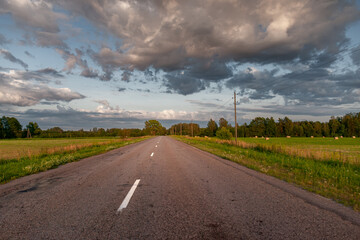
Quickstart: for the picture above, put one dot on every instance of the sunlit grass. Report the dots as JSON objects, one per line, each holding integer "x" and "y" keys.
{"x": 23, "y": 157}
{"x": 318, "y": 169}
{"x": 19, "y": 148}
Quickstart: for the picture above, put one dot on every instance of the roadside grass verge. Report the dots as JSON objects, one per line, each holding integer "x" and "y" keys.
{"x": 18, "y": 167}
{"x": 332, "y": 178}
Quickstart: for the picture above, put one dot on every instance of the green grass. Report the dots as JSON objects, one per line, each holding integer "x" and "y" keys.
{"x": 332, "y": 178}
{"x": 36, "y": 155}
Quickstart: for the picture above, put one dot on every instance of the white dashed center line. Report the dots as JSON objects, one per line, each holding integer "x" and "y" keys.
{"x": 152, "y": 154}
{"x": 156, "y": 146}
{"x": 128, "y": 196}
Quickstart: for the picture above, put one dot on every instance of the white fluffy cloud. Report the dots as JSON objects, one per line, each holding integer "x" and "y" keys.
{"x": 22, "y": 92}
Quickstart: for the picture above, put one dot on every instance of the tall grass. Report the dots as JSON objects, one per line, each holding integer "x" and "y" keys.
{"x": 36, "y": 161}
{"x": 331, "y": 177}
{"x": 309, "y": 153}
{"x": 19, "y": 148}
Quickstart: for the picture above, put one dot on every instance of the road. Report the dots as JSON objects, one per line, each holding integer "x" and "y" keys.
{"x": 183, "y": 193}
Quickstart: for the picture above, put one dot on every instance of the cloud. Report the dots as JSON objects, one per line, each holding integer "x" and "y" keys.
{"x": 169, "y": 34}
{"x": 73, "y": 60}
{"x": 42, "y": 75}
{"x": 38, "y": 19}
{"x": 316, "y": 86}
{"x": 184, "y": 85}
{"x": 4, "y": 40}
{"x": 50, "y": 39}
{"x": 199, "y": 40}
{"x": 198, "y": 43}
{"x": 19, "y": 92}
{"x": 355, "y": 55}
{"x": 306, "y": 111}
{"x": 29, "y": 54}
{"x": 7, "y": 55}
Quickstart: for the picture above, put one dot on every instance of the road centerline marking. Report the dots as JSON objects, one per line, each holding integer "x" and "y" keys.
{"x": 155, "y": 145}
{"x": 152, "y": 154}
{"x": 128, "y": 196}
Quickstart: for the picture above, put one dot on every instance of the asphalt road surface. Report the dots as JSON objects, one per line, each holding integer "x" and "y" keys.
{"x": 183, "y": 193}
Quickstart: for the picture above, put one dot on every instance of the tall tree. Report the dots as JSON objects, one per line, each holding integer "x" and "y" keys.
{"x": 223, "y": 123}
{"x": 270, "y": 127}
{"x": 334, "y": 125}
{"x": 33, "y": 128}
{"x": 2, "y": 133}
{"x": 212, "y": 128}
{"x": 154, "y": 127}
{"x": 11, "y": 127}
{"x": 288, "y": 127}
{"x": 257, "y": 126}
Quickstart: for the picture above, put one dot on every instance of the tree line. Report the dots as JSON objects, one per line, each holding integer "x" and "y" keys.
{"x": 347, "y": 126}
{"x": 10, "y": 127}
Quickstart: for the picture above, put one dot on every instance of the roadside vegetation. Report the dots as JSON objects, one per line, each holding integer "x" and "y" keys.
{"x": 27, "y": 156}
{"x": 325, "y": 166}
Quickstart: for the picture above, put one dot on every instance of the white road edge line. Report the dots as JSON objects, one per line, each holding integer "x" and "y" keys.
{"x": 128, "y": 196}
{"x": 152, "y": 154}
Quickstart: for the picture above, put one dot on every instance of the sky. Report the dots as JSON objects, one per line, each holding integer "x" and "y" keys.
{"x": 115, "y": 64}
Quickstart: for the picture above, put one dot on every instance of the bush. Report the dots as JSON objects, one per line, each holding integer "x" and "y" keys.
{"x": 224, "y": 133}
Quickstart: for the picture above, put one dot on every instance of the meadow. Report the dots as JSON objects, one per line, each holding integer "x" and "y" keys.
{"x": 325, "y": 166}
{"x": 20, "y": 157}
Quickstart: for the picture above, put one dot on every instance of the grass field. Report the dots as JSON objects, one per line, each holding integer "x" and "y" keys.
{"x": 343, "y": 149}
{"x": 323, "y": 165}
{"x": 20, "y": 157}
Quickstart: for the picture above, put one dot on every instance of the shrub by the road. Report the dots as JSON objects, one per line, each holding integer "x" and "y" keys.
{"x": 224, "y": 133}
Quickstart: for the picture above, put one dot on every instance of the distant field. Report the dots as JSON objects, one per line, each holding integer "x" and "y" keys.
{"x": 20, "y": 157}
{"x": 19, "y": 148}
{"x": 343, "y": 149}
{"x": 323, "y": 165}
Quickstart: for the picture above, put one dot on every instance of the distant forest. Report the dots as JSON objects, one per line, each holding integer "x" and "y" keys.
{"x": 347, "y": 126}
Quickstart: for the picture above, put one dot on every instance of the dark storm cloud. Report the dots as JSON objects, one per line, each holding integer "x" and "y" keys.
{"x": 173, "y": 32}
{"x": 184, "y": 85}
{"x": 8, "y": 56}
{"x": 199, "y": 39}
{"x": 314, "y": 86}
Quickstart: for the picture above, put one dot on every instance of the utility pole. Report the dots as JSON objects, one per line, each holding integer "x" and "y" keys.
{"x": 192, "y": 130}
{"x": 235, "y": 117}
{"x": 28, "y": 135}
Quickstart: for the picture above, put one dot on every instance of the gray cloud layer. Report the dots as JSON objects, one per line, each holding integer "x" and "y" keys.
{"x": 166, "y": 34}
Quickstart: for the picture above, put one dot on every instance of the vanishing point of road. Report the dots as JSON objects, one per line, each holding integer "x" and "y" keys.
{"x": 164, "y": 189}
